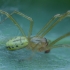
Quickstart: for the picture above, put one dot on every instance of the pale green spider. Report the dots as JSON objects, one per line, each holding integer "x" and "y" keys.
{"x": 37, "y": 42}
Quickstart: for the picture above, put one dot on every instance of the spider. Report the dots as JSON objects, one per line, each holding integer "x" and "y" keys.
{"x": 37, "y": 42}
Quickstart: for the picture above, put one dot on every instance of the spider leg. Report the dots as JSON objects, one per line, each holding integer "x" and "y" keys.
{"x": 6, "y": 18}
{"x": 61, "y": 18}
{"x": 51, "y": 45}
{"x": 28, "y": 18}
{"x": 46, "y": 26}
{"x": 13, "y": 20}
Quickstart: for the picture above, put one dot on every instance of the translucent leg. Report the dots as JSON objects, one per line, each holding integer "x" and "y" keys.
{"x": 51, "y": 45}
{"x": 6, "y": 18}
{"x": 28, "y": 18}
{"x": 52, "y": 19}
{"x": 62, "y": 17}
{"x": 13, "y": 20}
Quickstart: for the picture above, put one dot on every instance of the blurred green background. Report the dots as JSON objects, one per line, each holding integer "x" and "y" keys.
{"x": 41, "y": 11}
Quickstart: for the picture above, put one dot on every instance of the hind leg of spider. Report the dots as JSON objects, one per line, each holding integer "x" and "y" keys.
{"x": 25, "y": 16}
{"x": 28, "y": 18}
{"x": 6, "y": 17}
{"x": 51, "y": 45}
{"x": 14, "y": 21}
{"x": 60, "y": 18}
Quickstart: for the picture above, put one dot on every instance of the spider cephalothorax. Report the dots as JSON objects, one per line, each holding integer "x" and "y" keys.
{"x": 37, "y": 42}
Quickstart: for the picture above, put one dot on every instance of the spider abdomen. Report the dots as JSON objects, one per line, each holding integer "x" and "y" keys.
{"x": 17, "y": 43}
